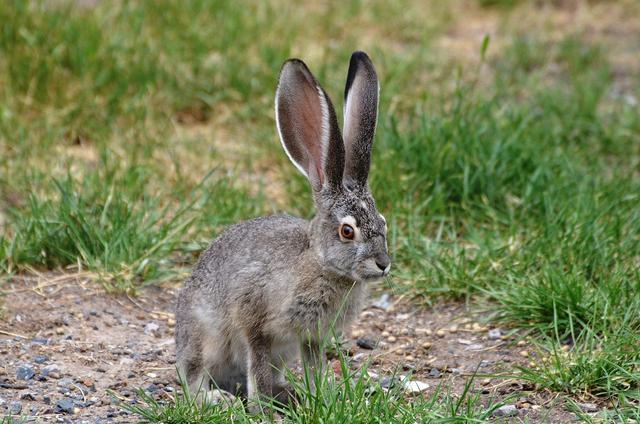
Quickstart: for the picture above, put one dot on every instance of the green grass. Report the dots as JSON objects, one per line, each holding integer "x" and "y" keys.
{"x": 132, "y": 132}
{"x": 350, "y": 397}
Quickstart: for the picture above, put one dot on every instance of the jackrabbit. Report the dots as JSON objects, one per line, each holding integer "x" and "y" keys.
{"x": 270, "y": 288}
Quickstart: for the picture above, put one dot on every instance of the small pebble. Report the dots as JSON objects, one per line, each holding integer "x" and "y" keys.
{"x": 40, "y": 359}
{"x": 524, "y": 354}
{"x": 15, "y": 408}
{"x": 440, "y": 333}
{"x": 366, "y": 343}
{"x": 588, "y": 407}
{"x": 359, "y": 357}
{"x": 65, "y": 406}
{"x": 495, "y": 334}
{"x": 506, "y": 411}
{"x": 65, "y": 382}
{"x": 435, "y": 373}
{"x": 477, "y": 327}
{"x": 151, "y": 328}
{"x": 453, "y": 329}
{"x": 25, "y": 372}
{"x": 27, "y": 396}
{"x": 357, "y": 333}
{"x": 521, "y": 343}
{"x": 49, "y": 369}
{"x": 391, "y": 339}
{"x": 387, "y": 382}
{"x": 427, "y": 345}
{"x": 415, "y": 386}
{"x": 384, "y": 302}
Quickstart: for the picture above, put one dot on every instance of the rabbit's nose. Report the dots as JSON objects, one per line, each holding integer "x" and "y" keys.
{"x": 383, "y": 261}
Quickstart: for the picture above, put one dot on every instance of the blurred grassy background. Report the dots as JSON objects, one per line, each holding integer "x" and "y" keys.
{"x": 132, "y": 132}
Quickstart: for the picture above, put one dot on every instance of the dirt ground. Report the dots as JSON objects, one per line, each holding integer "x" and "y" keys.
{"x": 69, "y": 352}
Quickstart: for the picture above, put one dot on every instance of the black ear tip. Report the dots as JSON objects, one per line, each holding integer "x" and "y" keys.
{"x": 360, "y": 55}
{"x": 360, "y": 59}
{"x": 359, "y": 62}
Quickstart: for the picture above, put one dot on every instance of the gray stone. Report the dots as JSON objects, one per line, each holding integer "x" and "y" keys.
{"x": 494, "y": 334}
{"x": 65, "y": 382}
{"x": 384, "y": 302}
{"x": 588, "y": 407}
{"x": 506, "y": 411}
{"x": 40, "y": 359}
{"x": 366, "y": 343}
{"x": 49, "y": 369}
{"x": 415, "y": 386}
{"x": 151, "y": 328}
{"x": 485, "y": 363}
{"x": 65, "y": 406}
{"x": 27, "y": 395}
{"x": 387, "y": 382}
{"x": 25, "y": 372}
{"x": 15, "y": 408}
{"x": 434, "y": 373}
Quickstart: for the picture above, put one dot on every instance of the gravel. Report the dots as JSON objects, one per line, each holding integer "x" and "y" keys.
{"x": 506, "y": 411}
{"x": 25, "y": 372}
{"x": 40, "y": 359}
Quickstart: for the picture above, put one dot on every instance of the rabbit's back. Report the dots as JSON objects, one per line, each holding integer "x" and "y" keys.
{"x": 246, "y": 253}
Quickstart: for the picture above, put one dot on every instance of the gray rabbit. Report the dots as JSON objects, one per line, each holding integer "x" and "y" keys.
{"x": 271, "y": 288}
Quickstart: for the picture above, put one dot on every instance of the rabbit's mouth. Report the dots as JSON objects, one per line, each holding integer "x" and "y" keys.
{"x": 370, "y": 270}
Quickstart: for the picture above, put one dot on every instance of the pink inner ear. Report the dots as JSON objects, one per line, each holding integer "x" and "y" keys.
{"x": 307, "y": 116}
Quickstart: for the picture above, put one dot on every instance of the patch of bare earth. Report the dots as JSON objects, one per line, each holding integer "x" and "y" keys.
{"x": 65, "y": 344}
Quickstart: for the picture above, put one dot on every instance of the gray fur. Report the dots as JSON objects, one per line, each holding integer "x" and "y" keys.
{"x": 271, "y": 288}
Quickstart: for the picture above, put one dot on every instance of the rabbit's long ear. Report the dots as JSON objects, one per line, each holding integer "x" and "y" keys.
{"x": 308, "y": 127}
{"x": 360, "y": 117}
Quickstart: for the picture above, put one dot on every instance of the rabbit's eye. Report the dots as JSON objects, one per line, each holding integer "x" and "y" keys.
{"x": 347, "y": 231}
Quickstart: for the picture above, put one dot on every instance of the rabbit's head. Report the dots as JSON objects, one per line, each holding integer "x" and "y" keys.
{"x": 348, "y": 233}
